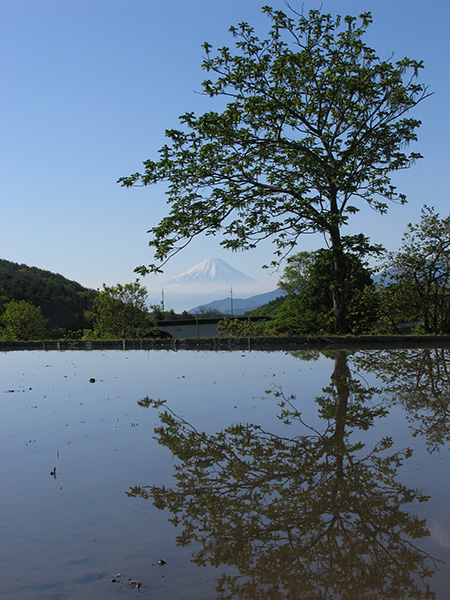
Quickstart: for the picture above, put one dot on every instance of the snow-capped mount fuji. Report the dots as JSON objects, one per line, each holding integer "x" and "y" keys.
{"x": 211, "y": 279}
{"x": 212, "y": 270}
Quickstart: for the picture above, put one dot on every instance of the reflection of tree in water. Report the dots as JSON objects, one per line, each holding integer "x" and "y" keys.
{"x": 418, "y": 379}
{"x": 309, "y": 516}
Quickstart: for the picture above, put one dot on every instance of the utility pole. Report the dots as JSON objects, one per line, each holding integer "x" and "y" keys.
{"x": 231, "y": 300}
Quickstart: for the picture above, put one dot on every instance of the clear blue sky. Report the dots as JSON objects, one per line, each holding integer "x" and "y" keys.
{"x": 88, "y": 88}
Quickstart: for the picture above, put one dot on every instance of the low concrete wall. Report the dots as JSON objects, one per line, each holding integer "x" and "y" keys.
{"x": 215, "y": 343}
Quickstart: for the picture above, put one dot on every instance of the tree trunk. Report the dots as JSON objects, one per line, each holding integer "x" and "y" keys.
{"x": 339, "y": 287}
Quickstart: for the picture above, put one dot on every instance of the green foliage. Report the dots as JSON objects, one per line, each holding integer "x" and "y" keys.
{"x": 120, "y": 312}
{"x": 363, "y": 310}
{"x": 185, "y": 315}
{"x": 299, "y": 316}
{"x": 64, "y": 303}
{"x": 297, "y": 273}
{"x": 398, "y": 305}
{"x": 159, "y": 314}
{"x": 309, "y": 278}
{"x": 314, "y": 126}
{"x": 22, "y": 321}
{"x": 242, "y": 328}
{"x": 420, "y": 275}
{"x": 266, "y": 310}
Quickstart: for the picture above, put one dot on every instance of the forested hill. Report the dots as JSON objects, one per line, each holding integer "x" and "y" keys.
{"x": 62, "y": 302}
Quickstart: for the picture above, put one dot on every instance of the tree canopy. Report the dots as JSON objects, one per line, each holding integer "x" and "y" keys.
{"x": 21, "y": 321}
{"x": 419, "y": 272}
{"x": 315, "y": 124}
{"x": 308, "y": 279}
{"x": 121, "y": 312}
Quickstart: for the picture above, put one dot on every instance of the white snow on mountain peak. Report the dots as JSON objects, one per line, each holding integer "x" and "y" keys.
{"x": 212, "y": 270}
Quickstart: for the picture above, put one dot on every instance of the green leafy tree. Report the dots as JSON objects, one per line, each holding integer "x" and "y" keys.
{"x": 420, "y": 271}
{"x": 316, "y": 123}
{"x": 159, "y": 313}
{"x": 398, "y": 307}
{"x": 297, "y": 273}
{"x": 121, "y": 312}
{"x": 309, "y": 279}
{"x": 22, "y": 321}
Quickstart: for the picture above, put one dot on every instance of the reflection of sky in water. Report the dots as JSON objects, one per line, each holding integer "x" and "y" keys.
{"x": 67, "y": 537}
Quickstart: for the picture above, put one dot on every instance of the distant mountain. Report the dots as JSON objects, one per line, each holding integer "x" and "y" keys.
{"x": 62, "y": 301}
{"x": 212, "y": 270}
{"x": 240, "y": 305}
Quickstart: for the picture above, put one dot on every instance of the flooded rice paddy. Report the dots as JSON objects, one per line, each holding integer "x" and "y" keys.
{"x": 260, "y": 475}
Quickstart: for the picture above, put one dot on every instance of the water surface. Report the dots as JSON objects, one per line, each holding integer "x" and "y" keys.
{"x": 327, "y": 498}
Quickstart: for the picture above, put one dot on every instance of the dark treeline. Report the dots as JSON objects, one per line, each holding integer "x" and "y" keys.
{"x": 39, "y": 304}
{"x": 64, "y": 303}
